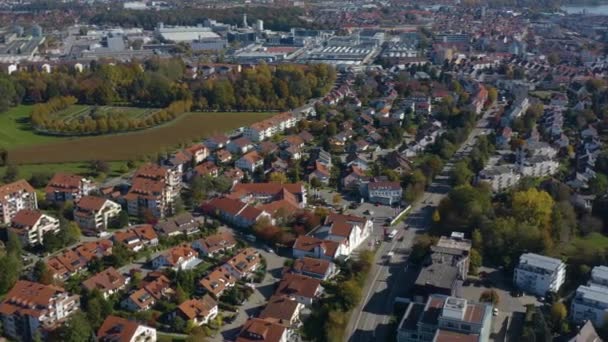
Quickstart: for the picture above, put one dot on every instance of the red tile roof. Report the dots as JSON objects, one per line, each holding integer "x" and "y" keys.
{"x": 298, "y": 285}
{"x": 26, "y": 218}
{"x": 11, "y": 188}
{"x": 117, "y": 329}
{"x": 29, "y": 298}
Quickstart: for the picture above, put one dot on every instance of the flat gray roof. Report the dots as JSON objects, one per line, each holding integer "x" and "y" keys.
{"x": 540, "y": 261}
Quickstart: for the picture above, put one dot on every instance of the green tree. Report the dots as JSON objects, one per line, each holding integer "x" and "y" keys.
{"x": 277, "y": 177}
{"x": 461, "y": 174}
{"x": 42, "y": 274}
{"x": 11, "y": 173}
{"x": 490, "y": 296}
{"x": 475, "y": 262}
{"x": 533, "y": 206}
{"x": 76, "y": 329}
{"x": 599, "y": 184}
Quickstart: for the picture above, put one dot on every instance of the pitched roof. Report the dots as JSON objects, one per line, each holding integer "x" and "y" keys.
{"x": 298, "y": 285}
{"x": 245, "y": 260}
{"x": 195, "y": 308}
{"x": 216, "y": 281}
{"x": 117, "y": 329}
{"x": 309, "y": 243}
{"x": 218, "y": 241}
{"x": 178, "y": 254}
{"x": 107, "y": 280}
{"x": 311, "y": 265}
{"x": 256, "y": 329}
{"x": 26, "y": 218}
{"x": 64, "y": 182}
{"x": 29, "y": 298}
{"x": 280, "y": 308}
{"x": 90, "y": 203}
{"x": 14, "y": 187}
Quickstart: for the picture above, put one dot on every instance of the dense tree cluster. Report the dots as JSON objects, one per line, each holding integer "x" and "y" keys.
{"x": 262, "y": 88}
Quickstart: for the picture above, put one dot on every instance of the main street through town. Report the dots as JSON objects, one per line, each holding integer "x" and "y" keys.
{"x": 370, "y": 320}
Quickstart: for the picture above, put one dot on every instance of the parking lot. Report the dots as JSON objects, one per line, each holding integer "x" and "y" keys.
{"x": 508, "y": 323}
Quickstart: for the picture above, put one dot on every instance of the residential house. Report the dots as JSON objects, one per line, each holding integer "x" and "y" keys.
{"x": 153, "y": 191}
{"x": 215, "y": 244}
{"x": 267, "y": 330}
{"x": 308, "y": 246}
{"x": 217, "y": 282}
{"x": 14, "y": 197}
{"x": 354, "y": 178}
{"x": 207, "y": 168}
{"x": 182, "y": 224}
{"x": 66, "y": 264}
{"x": 250, "y": 162}
{"x": 539, "y": 274}
{"x": 107, "y": 282}
{"x": 320, "y": 173}
{"x": 177, "y": 258}
{"x": 198, "y": 311}
{"x": 216, "y": 142}
{"x": 243, "y": 264}
{"x": 93, "y": 213}
{"x": 305, "y": 290}
{"x": 283, "y": 309}
{"x": 444, "y": 318}
{"x": 586, "y": 333}
{"x": 29, "y": 308}
{"x": 67, "y": 187}
{"x": 387, "y": 193}
{"x": 234, "y": 174}
{"x": 240, "y": 145}
{"x": 268, "y": 192}
{"x": 348, "y": 230}
{"x": 144, "y": 298}
{"x": 222, "y": 156}
{"x": 137, "y": 238}
{"x": 235, "y": 212}
{"x": 118, "y": 329}
{"x": 31, "y": 226}
{"x": 267, "y": 148}
{"x": 314, "y": 268}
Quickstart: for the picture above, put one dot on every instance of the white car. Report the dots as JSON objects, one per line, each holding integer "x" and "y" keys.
{"x": 495, "y": 312}
{"x": 103, "y": 235}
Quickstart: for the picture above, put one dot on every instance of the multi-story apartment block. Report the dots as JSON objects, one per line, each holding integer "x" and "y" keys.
{"x": 93, "y": 213}
{"x": 14, "y": 197}
{"x": 31, "y": 225}
{"x": 386, "y": 193}
{"x": 599, "y": 276}
{"x": 539, "y": 274}
{"x": 590, "y": 303}
{"x": 32, "y": 307}
{"x": 153, "y": 190}
{"x": 67, "y": 187}
{"x": 499, "y": 177}
{"x": 444, "y": 318}
{"x": 267, "y": 128}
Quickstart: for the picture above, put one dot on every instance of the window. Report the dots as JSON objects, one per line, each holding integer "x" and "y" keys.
{"x": 465, "y": 327}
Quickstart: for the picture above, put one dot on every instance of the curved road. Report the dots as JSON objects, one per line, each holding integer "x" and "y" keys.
{"x": 370, "y": 320}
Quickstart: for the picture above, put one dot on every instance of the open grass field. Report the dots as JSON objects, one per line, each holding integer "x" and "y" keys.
{"x": 81, "y": 168}
{"x": 26, "y": 147}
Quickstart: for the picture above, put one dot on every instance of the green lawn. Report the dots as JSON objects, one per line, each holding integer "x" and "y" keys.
{"x": 26, "y": 170}
{"x": 15, "y": 130}
{"x": 76, "y": 111}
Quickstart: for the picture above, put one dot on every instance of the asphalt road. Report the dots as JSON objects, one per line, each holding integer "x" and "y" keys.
{"x": 371, "y": 319}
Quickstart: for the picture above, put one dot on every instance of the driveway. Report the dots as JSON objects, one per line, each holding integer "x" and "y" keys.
{"x": 255, "y": 304}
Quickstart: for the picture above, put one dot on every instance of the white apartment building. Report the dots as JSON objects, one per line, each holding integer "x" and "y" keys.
{"x": 95, "y": 213}
{"x": 14, "y": 197}
{"x": 599, "y": 276}
{"x": 539, "y": 274}
{"x": 590, "y": 303}
{"x": 538, "y": 166}
{"x": 31, "y": 225}
{"x": 499, "y": 177}
{"x": 267, "y": 128}
{"x": 29, "y": 307}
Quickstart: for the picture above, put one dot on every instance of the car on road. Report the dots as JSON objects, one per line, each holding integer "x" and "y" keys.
{"x": 268, "y": 249}
{"x": 103, "y": 235}
{"x": 495, "y": 312}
